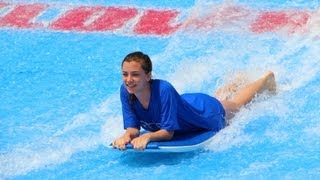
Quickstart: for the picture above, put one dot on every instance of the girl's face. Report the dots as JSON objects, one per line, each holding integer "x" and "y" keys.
{"x": 134, "y": 77}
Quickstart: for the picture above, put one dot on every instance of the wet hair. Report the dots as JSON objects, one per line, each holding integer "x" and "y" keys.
{"x": 146, "y": 65}
{"x": 143, "y": 59}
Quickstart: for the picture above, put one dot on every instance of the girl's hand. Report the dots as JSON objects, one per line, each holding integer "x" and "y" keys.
{"x": 121, "y": 142}
{"x": 141, "y": 142}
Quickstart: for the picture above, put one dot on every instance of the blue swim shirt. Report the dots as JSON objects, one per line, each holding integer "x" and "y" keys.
{"x": 173, "y": 112}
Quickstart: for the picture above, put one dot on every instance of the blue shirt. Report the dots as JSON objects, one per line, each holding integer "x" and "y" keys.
{"x": 173, "y": 112}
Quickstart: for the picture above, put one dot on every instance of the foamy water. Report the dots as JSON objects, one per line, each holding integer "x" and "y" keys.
{"x": 65, "y": 133}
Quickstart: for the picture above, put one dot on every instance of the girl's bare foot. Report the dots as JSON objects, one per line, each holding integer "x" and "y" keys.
{"x": 270, "y": 82}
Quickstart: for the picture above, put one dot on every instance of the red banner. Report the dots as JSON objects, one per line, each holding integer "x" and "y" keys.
{"x": 132, "y": 20}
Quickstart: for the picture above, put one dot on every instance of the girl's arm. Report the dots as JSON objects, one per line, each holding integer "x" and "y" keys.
{"x": 141, "y": 142}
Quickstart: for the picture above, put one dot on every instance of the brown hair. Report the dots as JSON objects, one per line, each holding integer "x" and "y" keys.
{"x": 143, "y": 59}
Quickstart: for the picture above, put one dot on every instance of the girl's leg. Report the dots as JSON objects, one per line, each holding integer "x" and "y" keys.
{"x": 246, "y": 94}
{"x": 229, "y": 90}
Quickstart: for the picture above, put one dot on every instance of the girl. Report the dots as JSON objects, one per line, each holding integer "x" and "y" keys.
{"x": 156, "y": 106}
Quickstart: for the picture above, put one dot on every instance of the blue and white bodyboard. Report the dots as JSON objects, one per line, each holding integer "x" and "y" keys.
{"x": 179, "y": 143}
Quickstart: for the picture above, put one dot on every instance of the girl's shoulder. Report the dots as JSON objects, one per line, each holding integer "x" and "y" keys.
{"x": 162, "y": 84}
{"x": 123, "y": 88}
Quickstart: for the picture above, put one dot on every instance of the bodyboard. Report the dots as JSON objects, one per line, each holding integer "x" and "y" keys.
{"x": 181, "y": 142}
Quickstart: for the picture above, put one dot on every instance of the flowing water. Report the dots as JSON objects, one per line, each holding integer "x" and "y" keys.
{"x": 59, "y": 89}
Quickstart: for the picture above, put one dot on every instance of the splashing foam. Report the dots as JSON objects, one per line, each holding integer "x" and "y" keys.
{"x": 197, "y": 61}
{"x": 30, "y": 157}
{"x": 219, "y": 61}
{"x": 79, "y": 135}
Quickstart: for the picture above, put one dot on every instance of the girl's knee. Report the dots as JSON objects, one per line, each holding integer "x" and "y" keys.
{"x": 231, "y": 108}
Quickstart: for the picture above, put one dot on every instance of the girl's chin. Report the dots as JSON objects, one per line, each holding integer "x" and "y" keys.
{"x": 130, "y": 90}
